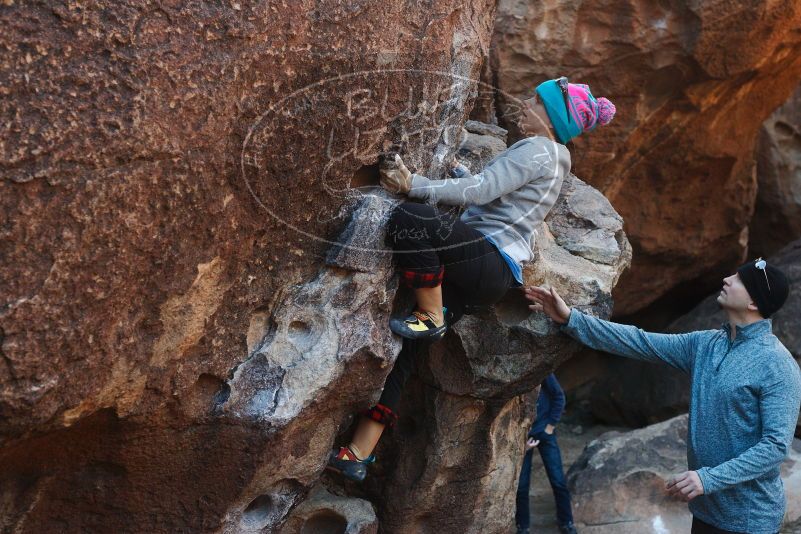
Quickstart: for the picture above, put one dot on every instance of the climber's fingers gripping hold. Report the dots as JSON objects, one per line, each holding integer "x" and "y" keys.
{"x": 397, "y": 179}
{"x": 549, "y": 302}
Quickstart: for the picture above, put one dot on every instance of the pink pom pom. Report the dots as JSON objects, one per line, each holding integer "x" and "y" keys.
{"x": 606, "y": 111}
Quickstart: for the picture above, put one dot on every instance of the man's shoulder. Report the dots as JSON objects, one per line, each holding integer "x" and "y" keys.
{"x": 779, "y": 360}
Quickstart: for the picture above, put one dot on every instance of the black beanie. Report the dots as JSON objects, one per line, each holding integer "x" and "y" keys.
{"x": 767, "y": 285}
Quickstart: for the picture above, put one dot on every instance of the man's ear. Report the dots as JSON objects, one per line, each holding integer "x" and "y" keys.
{"x": 752, "y": 307}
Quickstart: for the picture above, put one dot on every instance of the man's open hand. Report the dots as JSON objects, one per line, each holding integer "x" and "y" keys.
{"x": 548, "y": 301}
{"x": 686, "y": 486}
{"x": 397, "y": 179}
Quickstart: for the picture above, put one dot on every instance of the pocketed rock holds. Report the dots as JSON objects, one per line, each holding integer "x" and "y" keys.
{"x": 480, "y": 143}
{"x": 618, "y": 482}
{"x": 325, "y": 513}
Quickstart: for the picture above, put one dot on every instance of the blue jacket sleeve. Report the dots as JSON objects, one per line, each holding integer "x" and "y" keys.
{"x": 676, "y": 350}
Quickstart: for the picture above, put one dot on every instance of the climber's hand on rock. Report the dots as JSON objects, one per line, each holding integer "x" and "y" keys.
{"x": 548, "y": 301}
{"x": 686, "y": 486}
{"x": 531, "y": 443}
{"x": 397, "y": 179}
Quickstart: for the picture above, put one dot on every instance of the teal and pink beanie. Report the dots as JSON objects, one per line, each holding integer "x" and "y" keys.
{"x": 587, "y": 112}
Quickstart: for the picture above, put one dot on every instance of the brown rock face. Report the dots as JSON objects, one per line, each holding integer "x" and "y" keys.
{"x": 195, "y": 289}
{"x": 692, "y": 84}
{"x": 777, "y": 216}
{"x": 171, "y": 174}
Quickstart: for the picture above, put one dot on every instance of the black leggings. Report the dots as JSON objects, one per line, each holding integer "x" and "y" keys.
{"x": 425, "y": 238}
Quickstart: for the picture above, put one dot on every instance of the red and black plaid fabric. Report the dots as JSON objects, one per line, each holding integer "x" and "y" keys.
{"x": 381, "y": 414}
{"x": 417, "y": 279}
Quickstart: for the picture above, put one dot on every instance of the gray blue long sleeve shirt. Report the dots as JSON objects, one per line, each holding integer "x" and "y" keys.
{"x": 744, "y": 404}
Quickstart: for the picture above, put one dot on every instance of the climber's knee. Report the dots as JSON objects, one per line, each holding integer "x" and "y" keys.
{"x": 381, "y": 414}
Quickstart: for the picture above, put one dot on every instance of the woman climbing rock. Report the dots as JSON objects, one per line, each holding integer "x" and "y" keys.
{"x": 453, "y": 262}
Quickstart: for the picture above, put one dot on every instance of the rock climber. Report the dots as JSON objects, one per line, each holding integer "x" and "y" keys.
{"x": 542, "y": 436}
{"x": 744, "y": 404}
{"x": 452, "y": 261}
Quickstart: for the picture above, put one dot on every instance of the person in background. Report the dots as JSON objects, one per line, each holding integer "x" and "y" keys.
{"x": 542, "y": 436}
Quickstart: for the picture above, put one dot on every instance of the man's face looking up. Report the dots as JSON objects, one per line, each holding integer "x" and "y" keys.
{"x": 734, "y": 296}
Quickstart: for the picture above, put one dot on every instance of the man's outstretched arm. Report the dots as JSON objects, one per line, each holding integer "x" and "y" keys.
{"x": 677, "y": 350}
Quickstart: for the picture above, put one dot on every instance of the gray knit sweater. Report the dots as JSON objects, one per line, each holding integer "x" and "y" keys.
{"x": 510, "y": 197}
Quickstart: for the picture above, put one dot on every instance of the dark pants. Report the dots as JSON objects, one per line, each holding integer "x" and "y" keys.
{"x": 425, "y": 239}
{"x": 552, "y": 460}
{"x": 699, "y": 527}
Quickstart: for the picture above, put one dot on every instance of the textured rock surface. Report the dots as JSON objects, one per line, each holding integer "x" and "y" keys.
{"x": 172, "y": 343}
{"x": 635, "y": 394}
{"x": 194, "y": 277}
{"x": 777, "y": 215}
{"x": 618, "y": 482}
{"x": 693, "y": 84}
{"x": 480, "y": 143}
{"x": 324, "y": 513}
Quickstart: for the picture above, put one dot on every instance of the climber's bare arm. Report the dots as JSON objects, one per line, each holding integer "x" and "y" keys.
{"x": 548, "y": 301}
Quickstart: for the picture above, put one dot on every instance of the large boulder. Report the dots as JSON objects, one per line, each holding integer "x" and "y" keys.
{"x": 176, "y": 353}
{"x": 777, "y": 214}
{"x": 618, "y": 482}
{"x": 195, "y": 286}
{"x": 693, "y": 85}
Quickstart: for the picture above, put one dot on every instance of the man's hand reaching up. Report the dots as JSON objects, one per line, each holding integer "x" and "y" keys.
{"x": 548, "y": 301}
